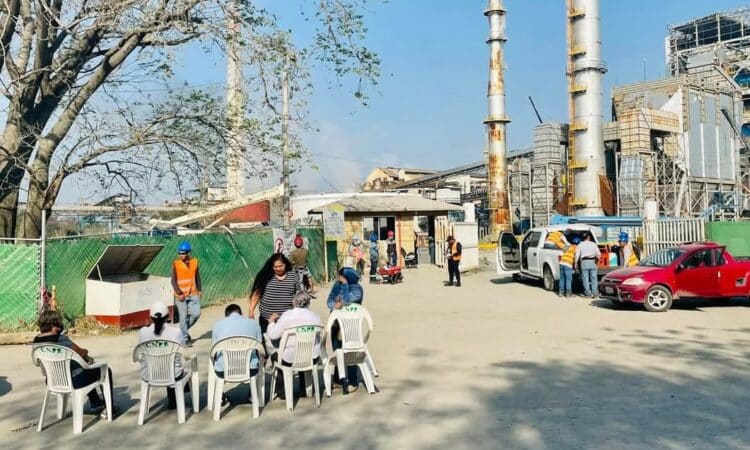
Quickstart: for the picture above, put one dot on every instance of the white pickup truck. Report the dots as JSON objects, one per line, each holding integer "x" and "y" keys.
{"x": 534, "y": 258}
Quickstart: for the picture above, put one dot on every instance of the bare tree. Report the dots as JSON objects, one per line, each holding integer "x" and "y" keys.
{"x": 64, "y": 65}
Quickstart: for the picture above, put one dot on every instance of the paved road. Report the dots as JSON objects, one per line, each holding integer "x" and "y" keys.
{"x": 488, "y": 365}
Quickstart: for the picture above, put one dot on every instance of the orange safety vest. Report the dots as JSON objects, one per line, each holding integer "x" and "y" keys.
{"x": 567, "y": 257}
{"x": 454, "y": 249}
{"x": 185, "y": 274}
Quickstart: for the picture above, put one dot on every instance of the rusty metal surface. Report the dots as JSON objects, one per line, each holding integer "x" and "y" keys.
{"x": 496, "y": 122}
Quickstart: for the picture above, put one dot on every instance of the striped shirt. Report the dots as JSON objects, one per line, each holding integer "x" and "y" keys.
{"x": 277, "y": 297}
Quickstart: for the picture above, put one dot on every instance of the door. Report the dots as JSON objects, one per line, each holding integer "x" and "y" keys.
{"x": 532, "y": 252}
{"x": 698, "y": 275}
{"x": 508, "y": 253}
{"x": 732, "y": 278}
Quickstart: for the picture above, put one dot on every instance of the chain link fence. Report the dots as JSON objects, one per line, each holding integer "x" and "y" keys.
{"x": 20, "y": 280}
{"x": 228, "y": 262}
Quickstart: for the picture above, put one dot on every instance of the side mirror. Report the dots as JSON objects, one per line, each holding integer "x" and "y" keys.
{"x": 681, "y": 267}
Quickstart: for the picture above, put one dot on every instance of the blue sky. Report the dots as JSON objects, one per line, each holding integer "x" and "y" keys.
{"x": 428, "y": 109}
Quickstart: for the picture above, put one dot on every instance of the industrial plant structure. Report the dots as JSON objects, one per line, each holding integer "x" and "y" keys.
{"x": 673, "y": 147}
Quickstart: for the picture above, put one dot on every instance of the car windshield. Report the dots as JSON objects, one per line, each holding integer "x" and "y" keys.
{"x": 662, "y": 258}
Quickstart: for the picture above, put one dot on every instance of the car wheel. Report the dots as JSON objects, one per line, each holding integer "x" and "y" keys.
{"x": 658, "y": 299}
{"x": 548, "y": 279}
{"x": 516, "y": 277}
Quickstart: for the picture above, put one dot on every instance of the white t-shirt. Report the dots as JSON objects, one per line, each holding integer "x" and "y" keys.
{"x": 169, "y": 333}
{"x": 294, "y": 318}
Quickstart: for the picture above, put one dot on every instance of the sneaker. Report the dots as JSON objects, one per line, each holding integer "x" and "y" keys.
{"x": 115, "y": 412}
{"x": 458, "y": 284}
{"x": 448, "y": 283}
{"x": 560, "y": 294}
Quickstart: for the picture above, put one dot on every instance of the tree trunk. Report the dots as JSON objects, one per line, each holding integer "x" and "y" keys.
{"x": 8, "y": 213}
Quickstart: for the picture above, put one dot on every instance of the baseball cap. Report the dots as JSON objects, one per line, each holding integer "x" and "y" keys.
{"x": 159, "y": 309}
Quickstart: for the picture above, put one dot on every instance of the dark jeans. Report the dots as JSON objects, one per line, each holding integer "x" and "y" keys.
{"x": 373, "y": 266}
{"x": 453, "y": 271}
{"x": 89, "y": 376}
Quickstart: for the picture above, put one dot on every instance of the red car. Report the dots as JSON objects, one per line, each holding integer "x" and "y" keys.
{"x": 705, "y": 270}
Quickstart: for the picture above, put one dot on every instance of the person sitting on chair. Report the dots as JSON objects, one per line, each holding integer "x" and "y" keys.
{"x": 51, "y": 328}
{"x": 346, "y": 290}
{"x": 298, "y": 316}
{"x": 234, "y": 324}
{"x": 161, "y": 330}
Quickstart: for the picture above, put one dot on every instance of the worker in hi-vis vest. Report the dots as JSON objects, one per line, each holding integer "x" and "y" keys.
{"x": 567, "y": 261}
{"x": 628, "y": 256}
{"x": 556, "y": 239}
{"x": 186, "y": 282}
{"x": 453, "y": 255}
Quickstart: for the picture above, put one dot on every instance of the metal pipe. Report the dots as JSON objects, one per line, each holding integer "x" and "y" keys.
{"x": 42, "y": 259}
{"x": 496, "y": 122}
{"x": 585, "y": 70}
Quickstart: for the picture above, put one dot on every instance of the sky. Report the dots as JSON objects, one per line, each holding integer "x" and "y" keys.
{"x": 428, "y": 108}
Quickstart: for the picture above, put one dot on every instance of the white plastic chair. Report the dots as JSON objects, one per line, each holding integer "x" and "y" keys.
{"x": 159, "y": 357}
{"x": 307, "y": 338}
{"x": 55, "y": 362}
{"x": 355, "y": 324}
{"x": 236, "y": 353}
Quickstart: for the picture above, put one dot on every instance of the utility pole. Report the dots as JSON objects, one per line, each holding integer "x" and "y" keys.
{"x": 236, "y": 105}
{"x": 286, "y": 204}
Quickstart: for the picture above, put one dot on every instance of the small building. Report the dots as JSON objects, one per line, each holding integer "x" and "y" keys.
{"x": 412, "y": 218}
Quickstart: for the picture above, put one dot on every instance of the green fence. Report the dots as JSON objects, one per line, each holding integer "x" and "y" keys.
{"x": 19, "y": 285}
{"x": 229, "y": 263}
{"x": 735, "y": 235}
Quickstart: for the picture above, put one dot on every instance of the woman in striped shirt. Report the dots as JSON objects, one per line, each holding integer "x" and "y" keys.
{"x": 274, "y": 288}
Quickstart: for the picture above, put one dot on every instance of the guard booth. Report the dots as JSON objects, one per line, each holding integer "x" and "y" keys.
{"x": 118, "y": 292}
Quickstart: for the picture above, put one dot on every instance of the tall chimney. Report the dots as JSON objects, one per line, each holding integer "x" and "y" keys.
{"x": 235, "y": 106}
{"x": 497, "y": 122}
{"x": 586, "y": 162}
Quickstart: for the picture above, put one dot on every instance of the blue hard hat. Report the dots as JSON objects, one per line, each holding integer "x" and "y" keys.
{"x": 623, "y": 236}
{"x": 184, "y": 247}
{"x": 576, "y": 240}
{"x": 373, "y": 237}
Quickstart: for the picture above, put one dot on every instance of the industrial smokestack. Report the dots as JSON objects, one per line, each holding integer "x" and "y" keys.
{"x": 235, "y": 104}
{"x": 497, "y": 122}
{"x": 585, "y": 72}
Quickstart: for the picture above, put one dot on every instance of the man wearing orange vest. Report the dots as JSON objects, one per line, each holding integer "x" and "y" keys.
{"x": 454, "y": 259}
{"x": 186, "y": 282}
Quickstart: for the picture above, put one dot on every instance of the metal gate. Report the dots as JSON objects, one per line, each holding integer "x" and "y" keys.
{"x": 661, "y": 234}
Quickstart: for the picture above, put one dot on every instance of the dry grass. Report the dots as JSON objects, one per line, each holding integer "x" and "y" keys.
{"x": 88, "y": 326}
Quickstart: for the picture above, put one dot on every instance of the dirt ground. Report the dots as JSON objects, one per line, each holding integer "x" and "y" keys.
{"x": 492, "y": 364}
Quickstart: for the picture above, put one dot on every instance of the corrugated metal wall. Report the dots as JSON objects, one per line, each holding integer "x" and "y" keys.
{"x": 228, "y": 264}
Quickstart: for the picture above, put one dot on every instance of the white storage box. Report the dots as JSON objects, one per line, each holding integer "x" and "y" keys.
{"x": 117, "y": 290}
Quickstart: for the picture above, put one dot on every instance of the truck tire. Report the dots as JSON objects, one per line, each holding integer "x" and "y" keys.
{"x": 548, "y": 279}
{"x": 517, "y": 277}
{"x": 658, "y": 299}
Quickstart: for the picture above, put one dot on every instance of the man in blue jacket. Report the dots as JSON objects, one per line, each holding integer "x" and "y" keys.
{"x": 345, "y": 291}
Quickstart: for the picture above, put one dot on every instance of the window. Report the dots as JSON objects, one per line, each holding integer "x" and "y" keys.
{"x": 380, "y": 225}
{"x": 702, "y": 258}
{"x": 534, "y": 239}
